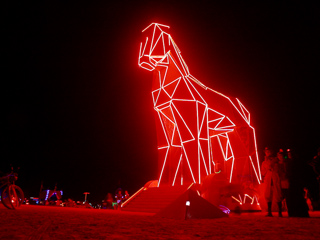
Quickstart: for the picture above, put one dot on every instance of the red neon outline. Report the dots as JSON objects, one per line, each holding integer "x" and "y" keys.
{"x": 223, "y": 124}
{"x": 131, "y": 197}
{"x": 241, "y": 202}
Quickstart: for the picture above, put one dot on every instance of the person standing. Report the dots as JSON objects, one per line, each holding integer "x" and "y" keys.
{"x": 315, "y": 164}
{"x": 296, "y": 203}
{"x": 314, "y": 181}
{"x": 270, "y": 174}
{"x": 283, "y": 174}
{"x": 126, "y": 195}
{"x": 119, "y": 198}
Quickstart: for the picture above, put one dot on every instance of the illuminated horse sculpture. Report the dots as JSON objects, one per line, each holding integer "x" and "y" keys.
{"x": 200, "y": 131}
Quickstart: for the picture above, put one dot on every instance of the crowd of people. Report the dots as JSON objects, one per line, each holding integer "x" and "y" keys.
{"x": 115, "y": 202}
{"x": 290, "y": 182}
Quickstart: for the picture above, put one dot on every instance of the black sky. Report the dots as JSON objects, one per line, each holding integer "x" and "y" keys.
{"x": 77, "y": 110}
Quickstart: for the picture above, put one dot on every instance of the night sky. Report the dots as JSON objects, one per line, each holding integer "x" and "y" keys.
{"x": 77, "y": 109}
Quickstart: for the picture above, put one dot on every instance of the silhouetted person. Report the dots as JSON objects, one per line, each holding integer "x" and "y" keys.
{"x": 109, "y": 201}
{"x": 270, "y": 173}
{"x": 296, "y": 203}
{"x": 119, "y": 198}
{"x": 126, "y": 195}
{"x": 283, "y": 174}
{"x": 316, "y": 164}
{"x": 313, "y": 179}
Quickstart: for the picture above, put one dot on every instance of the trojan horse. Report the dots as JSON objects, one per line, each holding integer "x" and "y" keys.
{"x": 200, "y": 131}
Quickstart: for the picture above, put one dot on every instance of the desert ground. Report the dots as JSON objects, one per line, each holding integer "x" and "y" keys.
{"x": 43, "y": 222}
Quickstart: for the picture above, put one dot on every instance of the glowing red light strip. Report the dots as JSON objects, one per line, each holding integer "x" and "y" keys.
{"x": 244, "y": 109}
{"x": 240, "y": 198}
{"x": 154, "y": 30}
{"x": 154, "y": 45}
{"x": 158, "y": 107}
{"x": 144, "y": 49}
{"x": 188, "y": 163}
{"x": 256, "y": 152}
{"x": 183, "y": 100}
{"x": 154, "y": 24}
{"x": 174, "y": 62}
{"x": 196, "y": 81}
{"x": 174, "y": 179}
{"x": 227, "y": 127}
{"x": 178, "y": 79}
{"x": 254, "y": 169}
{"x": 168, "y": 147}
{"x": 254, "y": 197}
{"x": 199, "y": 166}
{"x": 187, "y": 84}
{"x": 224, "y": 155}
{"x": 236, "y": 200}
{"x": 183, "y": 74}
{"x": 205, "y": 113}
{"x": 183, "y": 122}
{"x": 231, "y": 170}
{"x": 161, "y": 110}
{"x": 162, "y": 147}
{"x": 129, "y": 199}
{"x": 173, "y": 135}
{"x": 183, "y": 65}
{"x": 209, "y": 144}
{"x": 164, "y": 163}
{"x": 199, "y": 83}
{"x": 163, "y": 128}
{"x": 203, "y": 159}
{"x": 231, "y": 149}
{"x": 155, "y": 100}
{"x": 164, "y": 47}
{"x": 139, "y": 54}
{"x": 147, "y": 68}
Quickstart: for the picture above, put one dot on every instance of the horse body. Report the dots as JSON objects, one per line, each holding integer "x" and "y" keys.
{"x": 200, "y": 131}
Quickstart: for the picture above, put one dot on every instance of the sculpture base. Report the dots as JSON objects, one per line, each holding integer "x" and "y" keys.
{"x": 152, "y": 199}
{"x": 225, "y": 197}
{"x": 178, "y": 202}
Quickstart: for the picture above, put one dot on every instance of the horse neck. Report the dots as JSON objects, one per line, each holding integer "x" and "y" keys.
{"x": 175, "y": 54}
{"x": 166, "y": 74}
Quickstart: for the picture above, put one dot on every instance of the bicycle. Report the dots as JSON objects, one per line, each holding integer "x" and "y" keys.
{"x": 12, "y": 196}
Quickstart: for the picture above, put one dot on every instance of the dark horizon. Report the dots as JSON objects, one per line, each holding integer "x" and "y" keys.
{"x": 78, "y": 110}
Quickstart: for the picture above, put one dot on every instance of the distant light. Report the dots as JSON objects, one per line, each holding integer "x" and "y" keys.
{"x": 47, "y": 195}
{"x": 187, "y": 203}
{"x": 224, "y": 209}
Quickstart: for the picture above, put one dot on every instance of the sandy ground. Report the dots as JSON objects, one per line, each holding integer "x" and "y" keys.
{"x": 40, "y": 222}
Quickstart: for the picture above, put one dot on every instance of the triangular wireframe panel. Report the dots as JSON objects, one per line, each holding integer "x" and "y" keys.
{"x": 162, "y": 98}
{"x": 158, "y": 49}
{"x": 225, "y": 123}
{"x": 182, "y": 127}
{"x": 182, "y": 91}
{"x": 171, "y": 87}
